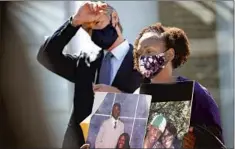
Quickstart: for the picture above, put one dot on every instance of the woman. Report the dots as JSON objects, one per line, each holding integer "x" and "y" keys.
{"x": 123, "y": 141}
{"x": 158, "y": 51}
{"x": 168, "y": 136}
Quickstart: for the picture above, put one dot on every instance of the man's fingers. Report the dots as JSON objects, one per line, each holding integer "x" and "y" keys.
{"x": 102, "y": 5}
{"x": 88, "y": 4}
{"x": 95, "y": 7}
{"x": 98, "y": 9}
{"x": 101, "y": 8}
{"x": 91, "y": 5}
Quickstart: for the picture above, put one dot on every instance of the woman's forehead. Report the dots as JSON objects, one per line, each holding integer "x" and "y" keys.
{"x": 151, "y": 34}
{"x": 151, "y": 39}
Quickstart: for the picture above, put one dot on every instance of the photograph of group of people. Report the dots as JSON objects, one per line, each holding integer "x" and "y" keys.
{"x": 119, "y": 122}
{"x": 166, "y": 128}
{"x": 160, "y": 133}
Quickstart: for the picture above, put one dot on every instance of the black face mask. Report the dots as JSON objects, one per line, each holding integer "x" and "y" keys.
{"x": 104, "y": 38}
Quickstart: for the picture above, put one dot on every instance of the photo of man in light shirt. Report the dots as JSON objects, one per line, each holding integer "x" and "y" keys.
{"x": 110, "y": 130}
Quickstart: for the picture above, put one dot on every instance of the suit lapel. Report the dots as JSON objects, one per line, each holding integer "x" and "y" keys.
{"x": 125, "y": 68}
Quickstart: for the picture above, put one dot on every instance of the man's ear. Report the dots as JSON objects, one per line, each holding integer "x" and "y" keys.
{"x": 115, "y": 18}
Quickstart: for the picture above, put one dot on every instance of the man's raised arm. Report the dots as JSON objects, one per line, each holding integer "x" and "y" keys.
{"x": 50, "y": 54}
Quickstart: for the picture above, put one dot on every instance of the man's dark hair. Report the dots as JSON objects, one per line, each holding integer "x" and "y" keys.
{"x": 173, "y": 38}
{"x": 118, "y": 105}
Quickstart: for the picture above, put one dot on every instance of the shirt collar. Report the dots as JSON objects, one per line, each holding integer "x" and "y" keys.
{"x": 120, "y": 51}
{"x": 113, "y": 119}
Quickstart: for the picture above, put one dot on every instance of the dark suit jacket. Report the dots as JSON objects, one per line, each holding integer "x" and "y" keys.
{"x": 75, "y": 70}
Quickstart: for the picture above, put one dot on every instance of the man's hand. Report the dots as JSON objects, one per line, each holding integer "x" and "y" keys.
{"x": 189, "y": 139}
{"x": 89, "y": 12}
{"x": 105, "y": 88}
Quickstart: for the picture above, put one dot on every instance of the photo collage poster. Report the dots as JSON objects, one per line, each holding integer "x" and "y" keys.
{"x": 117, "y": 121}
{"x": 170, "y": 113}
{"x": 157, "y": 117}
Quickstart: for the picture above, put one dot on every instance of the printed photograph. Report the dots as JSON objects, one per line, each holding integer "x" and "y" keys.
{"x": 120, "y": 121}
{"x": 168, "y": 123}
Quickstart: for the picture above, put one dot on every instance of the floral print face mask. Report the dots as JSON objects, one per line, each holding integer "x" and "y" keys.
{"x": 151, "y": 65}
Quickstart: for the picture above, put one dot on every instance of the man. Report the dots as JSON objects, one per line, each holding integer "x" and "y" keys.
{"x": 112, "y": 71}
{"x": 155, "y": 130}
{"x": 110, "y": 130}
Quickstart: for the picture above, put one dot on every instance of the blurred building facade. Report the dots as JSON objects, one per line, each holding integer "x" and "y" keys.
{"x": 209, "y": 26}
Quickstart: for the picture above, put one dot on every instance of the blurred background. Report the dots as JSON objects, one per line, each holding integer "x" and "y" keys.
{"x": 35, "y": 104}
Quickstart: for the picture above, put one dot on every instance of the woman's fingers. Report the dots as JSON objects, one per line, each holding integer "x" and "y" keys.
{"x": 190, "y": 129}
{"x": 189, "y": 140}
{"x": 85, "y": 146}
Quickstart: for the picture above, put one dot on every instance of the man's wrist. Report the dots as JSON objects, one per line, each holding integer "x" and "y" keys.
{"x": 74, "y": 22}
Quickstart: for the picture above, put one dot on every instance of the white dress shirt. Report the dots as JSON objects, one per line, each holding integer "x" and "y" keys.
{"x": 119, "y": 54}
{"x": 107, "y": 136}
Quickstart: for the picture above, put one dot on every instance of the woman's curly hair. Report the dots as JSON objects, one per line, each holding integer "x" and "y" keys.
{"x": 173, "y": 38}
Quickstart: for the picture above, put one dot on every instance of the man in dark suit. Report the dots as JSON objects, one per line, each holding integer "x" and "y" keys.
{"x": 112, "y": 71}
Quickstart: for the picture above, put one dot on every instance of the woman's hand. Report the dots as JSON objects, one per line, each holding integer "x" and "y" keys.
{"x": 105, "y": 88}
{"x": 85, "y": 146}
{"x": 189, "y": 139}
